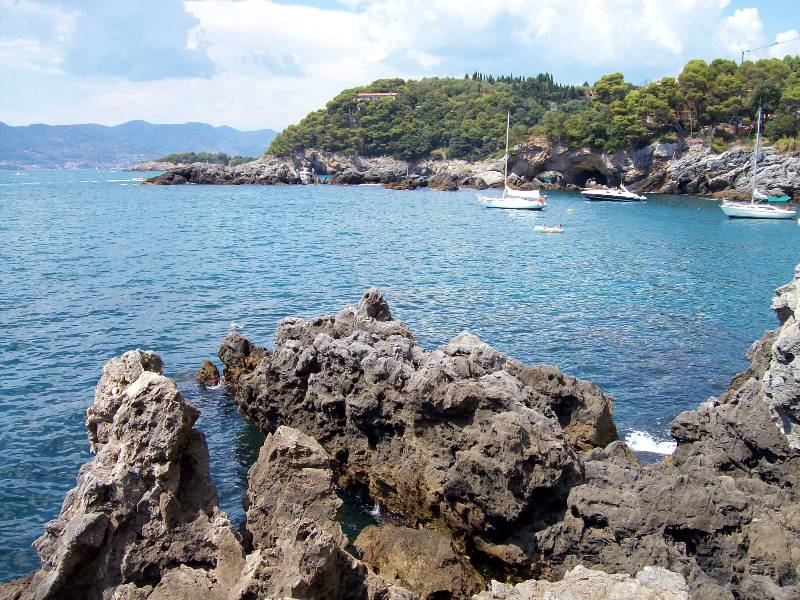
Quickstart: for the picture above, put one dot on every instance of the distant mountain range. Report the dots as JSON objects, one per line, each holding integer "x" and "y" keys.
{"x": 88, "y": 145}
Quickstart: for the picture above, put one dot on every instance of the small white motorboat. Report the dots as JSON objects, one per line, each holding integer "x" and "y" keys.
{"x": 546, "y": 229}
{"x": 514, "y": 199}
{"x": 620, "y": 194}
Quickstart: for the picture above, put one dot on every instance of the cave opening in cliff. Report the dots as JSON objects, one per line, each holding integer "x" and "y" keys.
{"x": 581, "y": 177}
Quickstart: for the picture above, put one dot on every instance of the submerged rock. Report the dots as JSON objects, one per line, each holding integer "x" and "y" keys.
{"x": 208, "y": 374}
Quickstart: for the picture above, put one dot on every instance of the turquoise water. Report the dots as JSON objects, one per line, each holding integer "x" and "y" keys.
{"x": 656, "y": 302}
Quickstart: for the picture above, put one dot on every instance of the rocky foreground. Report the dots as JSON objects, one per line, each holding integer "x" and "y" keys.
{"x": 684, "y": 167}
{"x": 504, "y": 480}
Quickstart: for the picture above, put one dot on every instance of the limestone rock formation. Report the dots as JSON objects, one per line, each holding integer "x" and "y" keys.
{"x": 462, "y": 437}
{"x": 723, "y": 511}
{"x": 298, "y": 547}
{"x": 651, "y": 583}
{"x": 681, "y": 167}
{"x": 264, "y": 170}
{"x": 143, "y": 521}
{"x": 519, "y": 466}
{"x": 145, "y": 503}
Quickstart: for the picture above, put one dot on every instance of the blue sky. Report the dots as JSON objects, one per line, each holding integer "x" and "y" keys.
{"x": 255, "y": 63}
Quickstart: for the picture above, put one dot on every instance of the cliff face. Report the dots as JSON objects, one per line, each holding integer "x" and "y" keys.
{"x": 675, "y": 168}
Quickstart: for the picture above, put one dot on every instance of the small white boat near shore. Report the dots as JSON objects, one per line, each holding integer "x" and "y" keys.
{"x": 620, "y": 194}
{"x": 548, "y": 229}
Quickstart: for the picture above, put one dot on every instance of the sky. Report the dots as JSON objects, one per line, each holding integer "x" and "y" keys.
{"x": 255, "y": 64}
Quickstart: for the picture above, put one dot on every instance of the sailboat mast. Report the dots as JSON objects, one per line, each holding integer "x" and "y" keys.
{"x": 505, "y": 169}
{"x": 755, "y": 156}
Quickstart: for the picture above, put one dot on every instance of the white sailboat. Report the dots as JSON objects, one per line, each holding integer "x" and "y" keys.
{"x": 514, "y": 199}
{"x": 754, "y": 209}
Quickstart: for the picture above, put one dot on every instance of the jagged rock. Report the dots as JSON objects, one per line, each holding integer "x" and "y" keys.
{"x": 444, "y": 182}
{"x": 143, "y": 521}
{"x": 485, "y": 449}
{"x": 349, "y": 177}
{"x": 299, "y": 549}
{"x": 145, "y": 502}
{"x": 403, "y": 184}
{"x": 238, "y": 356}
{"x": 208, "y": 374}
{"x": 421, "y": 560}
{"x": 452, "y": 437}
{"x": 723, "y": 511}
{"x": 264, "y": 170}
{"x": 651, "y": 583}
{"x": 583, "y": 410}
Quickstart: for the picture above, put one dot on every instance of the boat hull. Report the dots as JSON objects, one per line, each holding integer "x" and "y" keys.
{"x": 512, "y": 203}
{"x": 609, "y": 198}
{"x": 750, "y": 211}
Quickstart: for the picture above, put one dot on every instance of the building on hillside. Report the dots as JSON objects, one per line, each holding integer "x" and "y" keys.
{"x": 375, "y": 96}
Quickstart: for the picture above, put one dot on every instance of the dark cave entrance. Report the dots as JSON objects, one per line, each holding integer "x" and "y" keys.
{"x": 581, "y": 177}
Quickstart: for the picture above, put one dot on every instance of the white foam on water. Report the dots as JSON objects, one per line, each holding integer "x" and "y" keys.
{"x": 641, "y": 441}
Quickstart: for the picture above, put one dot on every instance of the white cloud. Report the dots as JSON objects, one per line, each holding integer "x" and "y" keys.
{"x": 274, "y": 62}
{"x": 743, "y": 30}
{"x": 789, "y": 44}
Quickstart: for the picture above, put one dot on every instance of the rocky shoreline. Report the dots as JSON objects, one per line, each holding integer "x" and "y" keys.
{"x": 506, "y": 480}
{"x": 684, "y": 167}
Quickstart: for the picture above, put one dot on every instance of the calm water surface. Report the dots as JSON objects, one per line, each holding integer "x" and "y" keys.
{"x": 656, "y": 302}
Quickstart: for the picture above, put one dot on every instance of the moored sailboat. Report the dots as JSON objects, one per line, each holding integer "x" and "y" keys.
{"x": 514, "y": 199}
{"x": 756, "y": 208}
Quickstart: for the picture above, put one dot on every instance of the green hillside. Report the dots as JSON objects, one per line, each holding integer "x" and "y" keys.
{"x": 450, "y": 117}
{"x": 465, "y": 118}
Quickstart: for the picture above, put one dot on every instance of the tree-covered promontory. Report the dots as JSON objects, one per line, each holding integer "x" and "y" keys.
{"x": 465, "y": 118}
{"x": 444, "y": 117}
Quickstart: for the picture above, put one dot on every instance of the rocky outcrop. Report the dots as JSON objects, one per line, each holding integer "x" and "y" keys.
{"x": 723, "y": 511}
{"x": 462, "y": 437}
{"x": 265, "y": 170}
{"x": 143, "y": 521}
{"x": 680, "y": 167}
{"x": 496, "y": 470}
{"x": 298, "y": 547}
{"x": 144, "y": 512}
{"x": 651, "y": 583}
{"x": 519, "y": 466}
{"x": 208, "y": 374}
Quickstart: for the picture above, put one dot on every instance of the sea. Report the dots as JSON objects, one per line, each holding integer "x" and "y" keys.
{"x": 656, "y": 302}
